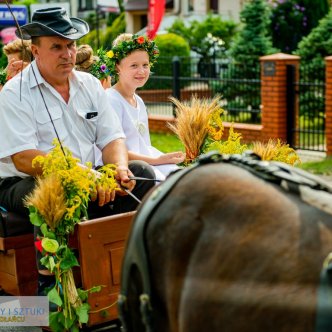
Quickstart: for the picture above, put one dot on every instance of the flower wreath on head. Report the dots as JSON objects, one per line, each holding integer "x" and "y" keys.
{"x": 101, "y": 68}
{"x": 124, "y": 48}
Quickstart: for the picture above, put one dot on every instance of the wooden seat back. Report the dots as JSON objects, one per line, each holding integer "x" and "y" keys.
{"x": 101, "y": 245}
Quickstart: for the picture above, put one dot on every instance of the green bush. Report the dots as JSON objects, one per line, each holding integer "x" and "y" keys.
{"x": 210, "y": 39}
{"x": 196, "y": 33}
{"x": 91, "y": 39}
{"x": 169, "y": 45}
{"x": 118, "y": 26}
{"x": 107, "y": 36}
{"x": 312, "y": 50}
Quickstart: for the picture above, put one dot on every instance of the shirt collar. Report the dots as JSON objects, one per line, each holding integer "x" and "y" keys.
{"x": 35, "y": 76}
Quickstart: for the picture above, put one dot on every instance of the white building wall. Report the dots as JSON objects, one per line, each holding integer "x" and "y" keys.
{"x": 230, "y": 9}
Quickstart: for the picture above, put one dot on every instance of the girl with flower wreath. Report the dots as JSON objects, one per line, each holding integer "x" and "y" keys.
{"x": 132, "y": 58}
{"x": 86, "y": 61}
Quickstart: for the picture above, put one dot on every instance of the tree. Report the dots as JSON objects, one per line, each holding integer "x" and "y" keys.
{"x": 252, "y": 42}
{"x": 291, "y": 20}
{"x": 312, "y": 50}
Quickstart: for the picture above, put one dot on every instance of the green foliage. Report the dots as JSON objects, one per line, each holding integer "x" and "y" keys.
{"x": 252, "y": 42}
{"x": 3, "y": 57}
{"x": 196, "y": 32}
{"x": 210, "y": 38}
{"x": 3, "y": 76}
{"x": 90, "y": 39}
{"x": 304, "y": 15}
{"x": 107, "y": 36}
{"x": 312, "y": 50}
{"x": 118, "y": 26}
{"x": 169, "y": 45}
{"x": 318, "y": 43}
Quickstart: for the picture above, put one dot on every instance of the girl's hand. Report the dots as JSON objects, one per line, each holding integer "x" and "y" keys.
{"x": 171, "y": 158}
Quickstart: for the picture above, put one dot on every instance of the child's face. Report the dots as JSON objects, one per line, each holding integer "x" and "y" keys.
{"x": 134, "y": 70}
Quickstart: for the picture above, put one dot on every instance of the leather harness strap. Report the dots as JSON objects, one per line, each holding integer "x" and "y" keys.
{"x": 136, "y": 251}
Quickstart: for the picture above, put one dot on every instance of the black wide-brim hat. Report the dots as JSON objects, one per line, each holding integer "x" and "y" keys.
{"x": 54, "y": 22}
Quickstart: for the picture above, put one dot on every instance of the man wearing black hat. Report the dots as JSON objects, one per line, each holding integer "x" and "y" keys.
{"x": 51, "y": 98}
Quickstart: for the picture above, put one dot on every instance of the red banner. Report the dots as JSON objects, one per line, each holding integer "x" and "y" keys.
{"x": 155, "y": 15}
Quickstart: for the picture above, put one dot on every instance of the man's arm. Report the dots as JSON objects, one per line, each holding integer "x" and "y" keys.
{"x": 23, "y": 161}
{"x": 116, "y": 153}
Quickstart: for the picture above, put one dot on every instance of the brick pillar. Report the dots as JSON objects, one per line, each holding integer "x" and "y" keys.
{"x": 328, "y": 105}
{"x": 273, "y": 94}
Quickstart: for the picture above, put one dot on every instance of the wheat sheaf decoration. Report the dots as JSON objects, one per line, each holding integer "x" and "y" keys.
{"x": 192, "y": 123}
{"x": 198, "y": 125}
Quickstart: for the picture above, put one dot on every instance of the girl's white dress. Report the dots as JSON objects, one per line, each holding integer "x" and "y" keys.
{"x": 135, "y": 125}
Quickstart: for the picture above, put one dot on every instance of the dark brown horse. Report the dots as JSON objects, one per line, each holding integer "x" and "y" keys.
{"x": 219, "y": 249}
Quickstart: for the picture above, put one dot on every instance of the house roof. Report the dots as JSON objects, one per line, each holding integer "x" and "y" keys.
{"x": 134, "y": 5}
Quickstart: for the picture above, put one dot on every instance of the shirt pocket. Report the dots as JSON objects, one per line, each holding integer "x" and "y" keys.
{"x": 45, "y": 128}
{"x": 88, "y": 125}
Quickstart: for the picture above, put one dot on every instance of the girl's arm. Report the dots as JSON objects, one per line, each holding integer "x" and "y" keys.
{"x": 165, "y": 158}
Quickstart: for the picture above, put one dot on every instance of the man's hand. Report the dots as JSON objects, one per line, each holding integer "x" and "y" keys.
{"x": 122, "y": 176}
{"x": 104, "y": 195}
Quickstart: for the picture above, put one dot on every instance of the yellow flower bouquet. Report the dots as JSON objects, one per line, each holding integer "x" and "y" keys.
{"x": 58, "y": 202}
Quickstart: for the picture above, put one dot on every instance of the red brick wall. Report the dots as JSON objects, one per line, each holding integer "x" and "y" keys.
{"x": 273, "y": 94}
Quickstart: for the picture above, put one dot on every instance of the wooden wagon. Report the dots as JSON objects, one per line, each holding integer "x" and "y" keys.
{"x": 100, "y": 246}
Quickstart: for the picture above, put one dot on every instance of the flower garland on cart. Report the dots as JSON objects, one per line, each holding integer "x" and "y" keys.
{"x": 58, "y": 202}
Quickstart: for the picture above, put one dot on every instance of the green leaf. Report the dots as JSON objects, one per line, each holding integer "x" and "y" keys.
{"x": 82, "y": 294}
{"x": 95, "y": 289}
{"x": 35, "y": 218}
{"x": 55, "y": 321}
{"x": 43, "y": 229}
{"x": 52, "y": 264}
{"x": 68, "y": 322}
{"x": 69, "y": 260}
{"x": 54, "y": 297}
{"x": 74, "y": 328}
{"x": 83, "y": 313}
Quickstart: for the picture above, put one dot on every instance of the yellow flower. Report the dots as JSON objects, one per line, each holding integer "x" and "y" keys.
{"x": 110, "y": 54}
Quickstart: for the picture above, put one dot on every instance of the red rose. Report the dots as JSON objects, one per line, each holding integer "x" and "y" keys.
{"x": 140, "y": 40}
{"x": 38, "y": 245}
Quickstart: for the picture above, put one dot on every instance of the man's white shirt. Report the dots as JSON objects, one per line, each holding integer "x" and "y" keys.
{"x": 25, "y": 123}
